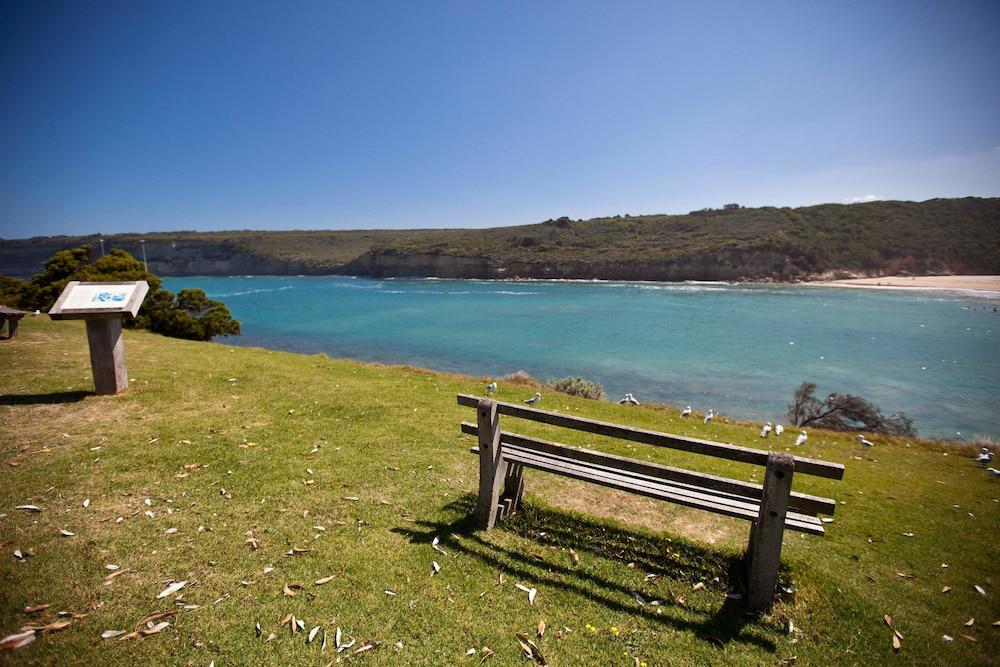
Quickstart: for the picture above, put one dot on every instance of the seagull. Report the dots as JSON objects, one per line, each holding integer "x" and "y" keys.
{"x": 764, "y": 431}
{"x": 709, "y": 416}
{"x": 985, "y": 456}
{"x": 801, "y": 440}
{"x": 863, "y": 441}
{"x": 629, "y": 400}
{"x": 534, "y": 399}
{"x": 686, "y": 412}
{"x": 491, "y": 387}
{"x": 994, "y": 473}
{"x": 778, "y": 429}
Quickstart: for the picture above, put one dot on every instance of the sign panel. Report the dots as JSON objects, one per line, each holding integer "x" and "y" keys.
{"x": 80, "y": 300}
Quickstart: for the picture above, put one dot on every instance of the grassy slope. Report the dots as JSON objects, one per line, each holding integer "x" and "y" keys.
{"x": 389, "y": 436}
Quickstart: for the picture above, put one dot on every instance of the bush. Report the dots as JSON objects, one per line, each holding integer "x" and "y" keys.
{"x": 190, "y": 314}
{"x": 520, "y": 377}
{"x": 845, "y": 412}
{"x": 575, "y": 386}
{"x": 11, "y": 291}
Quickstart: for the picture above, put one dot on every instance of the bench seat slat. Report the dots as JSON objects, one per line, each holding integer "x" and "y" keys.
{"x": 695, "y": 445}
{"x": 681, "y": 494}
{"x": 800, "y": 502}
{"x": 746, "y": 509}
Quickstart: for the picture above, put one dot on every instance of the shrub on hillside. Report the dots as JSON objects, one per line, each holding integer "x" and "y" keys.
{"x": 11, "y": 290}
{"x": 190, "y": 314}
{"x": 520, "y": 377}
{"x": 575, "y": 386}
{"x": 845, "y": 412}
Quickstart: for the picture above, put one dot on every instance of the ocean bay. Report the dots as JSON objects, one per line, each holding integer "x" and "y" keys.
{"x": 738, "y": 349}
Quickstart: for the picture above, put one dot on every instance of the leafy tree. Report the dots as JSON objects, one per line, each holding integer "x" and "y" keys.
{"x": 11, "y": 291}
{"x": 44, "y": 288}
{"x": 845, "y": 412}
{"x": 191, "y": 314}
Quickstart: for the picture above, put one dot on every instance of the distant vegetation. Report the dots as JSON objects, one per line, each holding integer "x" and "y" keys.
{"x": 576, "y": 386}
{"x": 939, "y": 236}
{"x": 190, "y": 314}
{"x": 845, "y": 412}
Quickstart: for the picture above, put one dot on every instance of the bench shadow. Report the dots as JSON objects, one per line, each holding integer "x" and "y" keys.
{"x": 40, "y": 399}
{"x": 663, "y": 557}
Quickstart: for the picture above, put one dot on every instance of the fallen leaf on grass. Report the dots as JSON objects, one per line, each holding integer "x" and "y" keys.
{"x": 575, "y": 556}
{"x": 55, "y": 626}
{"x": 896, "y": 645}
{"x": 288, "y": 590}
{"x": 66, "y": 533}
{"x": 947, "y": 638}
{"x": 108, "y": 634}
{"x": 436, "y": 569}
{"x": 367, "y": 647}
{"x": 697, "y": 587}
{"x": 170, "y": 531}
{"x": 111, "y": 577}
{"x": 530, "y": 591}
{"x": 946, "y": 589}
{"x": 37, "y": 608}
{"x": 17, "y": 640}
{"x": 540, "y": 629}
{"x": 471, "y": 651}
{"x": 86, "y": 503}
{"x": 530, "y": 648}
{"x": 312, "y": 635}
{"x": 324, "y": 580}
{"x": 969, "y": 623}
{"x": 970, "y": 638}
{"x": 169, "y": 590}
{"x": 29, "y": 508}
{"x": 979, "y": 589}
{"x": 252, "y": 543}
{"x": 152, "y": 618}
{"x": 352, "y": 498}
{"x": 487, "y": 653}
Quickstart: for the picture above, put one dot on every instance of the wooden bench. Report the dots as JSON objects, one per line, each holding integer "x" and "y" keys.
{"x": 11, "y": 316}
{"x": 770, "y": 507}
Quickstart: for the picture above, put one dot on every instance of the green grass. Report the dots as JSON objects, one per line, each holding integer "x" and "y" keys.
{"x": 389, "y": 436}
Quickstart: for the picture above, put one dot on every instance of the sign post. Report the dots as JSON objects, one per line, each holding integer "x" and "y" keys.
{"x": 102, "y": 306}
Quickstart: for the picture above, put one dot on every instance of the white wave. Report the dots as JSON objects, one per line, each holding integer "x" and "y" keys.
{"x": 253, "y": 291}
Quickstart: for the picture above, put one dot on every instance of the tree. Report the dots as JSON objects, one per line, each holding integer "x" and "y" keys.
{"x": 191, "y": 314}
{"x": 845, "y": 412}
{"x": 11, "y": 291}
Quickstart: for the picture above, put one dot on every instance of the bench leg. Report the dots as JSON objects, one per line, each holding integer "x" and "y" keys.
{"x": 513, "y": 489}
{"x": 12, "y": 327}
{"x": 492, "y": 469}
{"x": 764, "y": 550}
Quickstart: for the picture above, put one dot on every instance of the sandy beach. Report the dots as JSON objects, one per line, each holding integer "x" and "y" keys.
{"x": 981, "y": 283}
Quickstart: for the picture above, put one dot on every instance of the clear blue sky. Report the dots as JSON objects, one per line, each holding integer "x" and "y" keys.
{"x": 146, "y": 116}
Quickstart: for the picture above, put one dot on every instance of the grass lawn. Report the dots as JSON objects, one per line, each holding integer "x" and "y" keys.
{"x": 356, "y": 468}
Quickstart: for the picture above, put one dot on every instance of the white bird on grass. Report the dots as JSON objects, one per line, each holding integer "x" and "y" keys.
{"x": 534, "y": 399}
{"x": 710, "y": 416}
{"x": 491, "y": 387}
{"x": 985, "y": 456}
{"x": 628, "y": 400}
{"x": 801, "y": 440}
{"x": 686, "y": 412}
{"x": 778, "y": 429}
{"x": 993, "y": 472}
{"x": 863, "y": 441}
{"x": 766, "y": 430}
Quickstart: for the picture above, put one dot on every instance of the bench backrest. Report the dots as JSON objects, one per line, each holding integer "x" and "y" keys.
{"x": 730, "y": 452}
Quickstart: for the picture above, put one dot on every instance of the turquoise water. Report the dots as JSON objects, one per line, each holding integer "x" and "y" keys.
{"x": 739, "y": 349}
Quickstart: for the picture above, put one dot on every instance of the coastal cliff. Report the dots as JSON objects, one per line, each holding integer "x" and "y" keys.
{"x": 939, "y": 236}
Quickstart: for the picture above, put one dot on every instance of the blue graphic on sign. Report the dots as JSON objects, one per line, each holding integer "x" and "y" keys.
{"x": 105, "y": 297}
